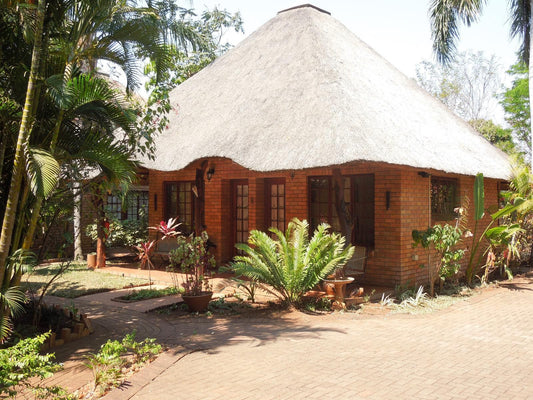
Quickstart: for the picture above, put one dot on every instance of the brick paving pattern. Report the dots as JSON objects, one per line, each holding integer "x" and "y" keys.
{"x": 481, "y": 348}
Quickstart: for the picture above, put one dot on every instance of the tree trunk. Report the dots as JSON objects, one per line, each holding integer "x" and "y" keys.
{"x": 76, "y": 221}
{"x": 20, "y": 220}
{"x": 25, "y": 125}
{"x": 3, "y": 145}
{"x": 100, "y": 231}
{"x": 100, "y": 246}
{"x": 530, "y": 69}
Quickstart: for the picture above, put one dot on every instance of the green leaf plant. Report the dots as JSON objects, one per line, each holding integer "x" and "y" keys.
{"x": 291, "y": 263}
{"x": 443, "y": 239}
{"x": 498, "y": 237}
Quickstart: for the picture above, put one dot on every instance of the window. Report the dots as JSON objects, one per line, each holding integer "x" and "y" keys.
{"x": 179, "y": 204}
{"x": 275, "y": 203}
{"x": 503, "y": 188}
{"x": 322, "y": 206}
{"x": 443, "y": 198}
{"x": 135, "y": 206}
{"x": 114, "y": 207}
{"x": 359, "y": 198}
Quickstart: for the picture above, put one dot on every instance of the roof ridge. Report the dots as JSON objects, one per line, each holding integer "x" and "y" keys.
{"x": 307, "y": 5}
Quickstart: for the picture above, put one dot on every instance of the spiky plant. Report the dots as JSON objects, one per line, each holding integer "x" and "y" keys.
{"x": 291, "y": 263}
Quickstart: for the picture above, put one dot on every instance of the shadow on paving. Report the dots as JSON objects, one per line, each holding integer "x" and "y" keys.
{"x": 210, "y": 333}
{"x": 523, "y": 284}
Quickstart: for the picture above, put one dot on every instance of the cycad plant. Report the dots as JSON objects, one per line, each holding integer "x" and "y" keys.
{"x": 291, "y": 263}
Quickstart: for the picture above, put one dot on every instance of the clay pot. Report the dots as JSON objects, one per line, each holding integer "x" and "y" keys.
{"x": 91, "y": 260}
{"x": 198, "y": 303}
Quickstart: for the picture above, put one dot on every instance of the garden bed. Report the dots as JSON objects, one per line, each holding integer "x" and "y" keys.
{"x": 65, "y": 324}
{"x": 147, "y": 294}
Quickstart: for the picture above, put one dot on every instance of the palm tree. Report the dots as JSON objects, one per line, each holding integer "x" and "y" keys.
{"x": 446, "y": 15}
{"x": 82, "y": 32}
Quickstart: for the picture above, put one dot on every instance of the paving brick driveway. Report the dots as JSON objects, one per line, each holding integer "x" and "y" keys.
{"x": 478, "y": 349}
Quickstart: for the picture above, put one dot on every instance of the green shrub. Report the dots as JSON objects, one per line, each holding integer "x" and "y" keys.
{"x": 191, "y": 257}
{"x": 21, "y": 362}
{"x": 125, "y": 233}
{"x": 292, "y": 264}
{"x": 107, "y": 364}
{"x": 444, "y": 239}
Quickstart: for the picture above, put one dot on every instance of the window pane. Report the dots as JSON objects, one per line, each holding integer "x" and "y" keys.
{"x": 179, "y": 204}
{"x": 114, "y": 207}
{"x": 443, "y": 199}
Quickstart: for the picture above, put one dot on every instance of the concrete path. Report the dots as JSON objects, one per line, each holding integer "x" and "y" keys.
{"x": 481, "y": 348}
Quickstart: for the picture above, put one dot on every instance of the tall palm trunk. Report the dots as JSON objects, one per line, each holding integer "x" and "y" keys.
{"x": 3, "y": 145}
{"x": 76, "y": 221}
{"x": 530, "y": 65}
{"x": 23, "y": 135}
{"x": 530, "y": 78}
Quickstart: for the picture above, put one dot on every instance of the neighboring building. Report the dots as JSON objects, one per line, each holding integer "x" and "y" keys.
{"x": 262, "y": 134}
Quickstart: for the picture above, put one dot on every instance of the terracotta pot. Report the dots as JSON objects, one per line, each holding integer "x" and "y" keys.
{"x": 91, "y": 260}
{"x": 198, "y": 303}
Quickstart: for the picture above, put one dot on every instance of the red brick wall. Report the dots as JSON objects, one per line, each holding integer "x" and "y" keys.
{"x": 415, "y": 214}
{"x": 390, "y": 262}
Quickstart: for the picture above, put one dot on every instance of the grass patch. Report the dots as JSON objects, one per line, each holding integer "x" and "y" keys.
{"x": 77, "y": 281}
{"x": 145, "y": 294}
{"x": 413, "y": 301}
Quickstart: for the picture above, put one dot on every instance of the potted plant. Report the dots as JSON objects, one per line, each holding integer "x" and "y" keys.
{"x": 192, "y": 258}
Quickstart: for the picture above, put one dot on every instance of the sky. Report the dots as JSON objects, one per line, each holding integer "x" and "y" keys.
{"x": 399, "y": 30}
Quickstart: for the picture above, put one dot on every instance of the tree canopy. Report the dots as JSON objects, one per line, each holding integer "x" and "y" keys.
{"x": 65, "y": 116}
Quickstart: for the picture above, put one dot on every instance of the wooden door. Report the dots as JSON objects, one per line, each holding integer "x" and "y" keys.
{"x": 275, "y": 203}
{"x": 240, "y": 209}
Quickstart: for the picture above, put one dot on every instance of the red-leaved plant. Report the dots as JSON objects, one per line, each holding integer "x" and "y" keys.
{"x": 145, "y": 250}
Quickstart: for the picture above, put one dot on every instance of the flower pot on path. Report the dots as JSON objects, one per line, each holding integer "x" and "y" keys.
{"x": 198, "y": 303}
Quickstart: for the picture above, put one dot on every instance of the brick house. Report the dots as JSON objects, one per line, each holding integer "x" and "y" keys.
{"x": 302, "y": 119}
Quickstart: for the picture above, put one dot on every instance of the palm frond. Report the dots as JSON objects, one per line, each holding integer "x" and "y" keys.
{"x": 43, "y": 171}
{"x": 291, "y": 263}
{"x": 109, "y": 157}
{"x": 520, "y": 14}
{"x": 22, "y": 261}
{"x": 445, "y": 16}
{"x": 12, "y": 300}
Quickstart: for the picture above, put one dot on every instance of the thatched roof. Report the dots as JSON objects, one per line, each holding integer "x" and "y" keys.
{"x": 303, "y": 91}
